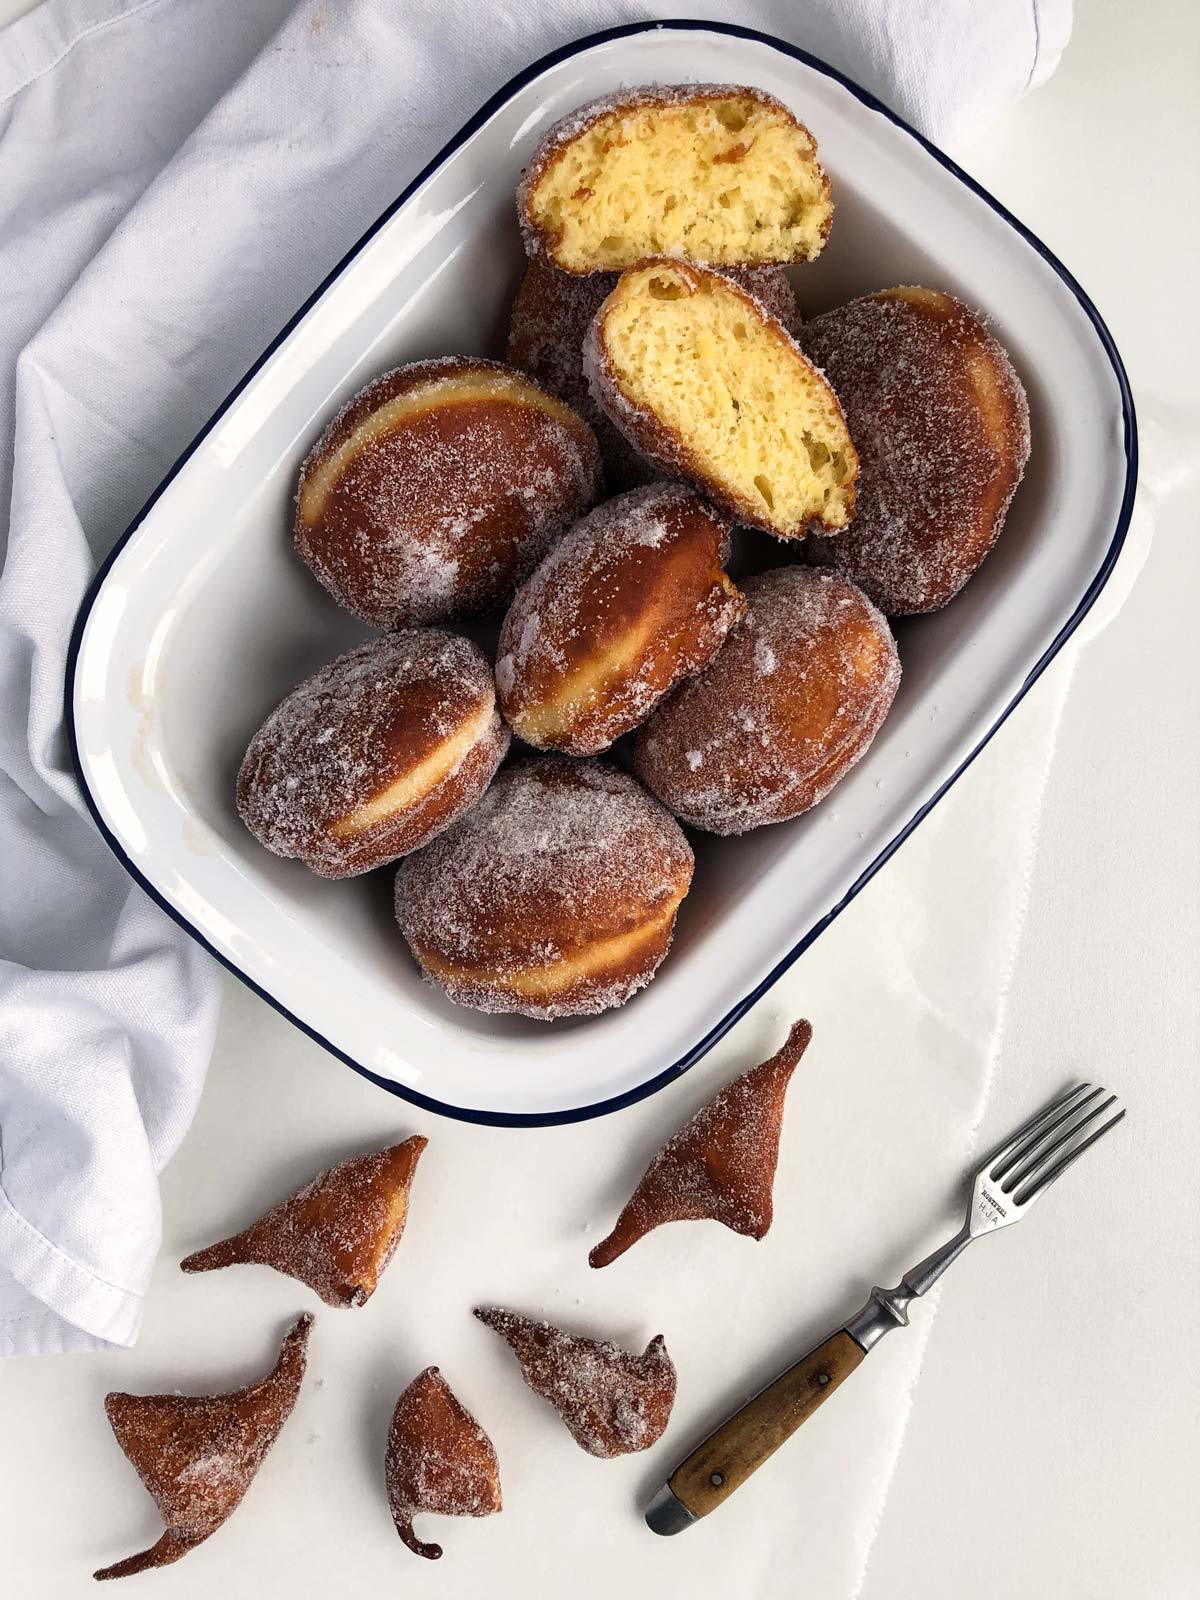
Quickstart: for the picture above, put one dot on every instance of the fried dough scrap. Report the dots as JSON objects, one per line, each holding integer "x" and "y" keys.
{"x": 721, "y": 1164}
{"x": 612, "y": 1402}
{"x": 337, "y": 1233}
{"x": 198, "y": 1454}
{"x": 438, "y": 1459}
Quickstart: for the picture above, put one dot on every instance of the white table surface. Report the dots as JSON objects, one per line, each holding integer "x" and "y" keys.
{"x": 1052, "y": 1442}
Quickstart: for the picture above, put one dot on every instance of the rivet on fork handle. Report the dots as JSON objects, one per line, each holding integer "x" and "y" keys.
{"x": 727, "y": 1457}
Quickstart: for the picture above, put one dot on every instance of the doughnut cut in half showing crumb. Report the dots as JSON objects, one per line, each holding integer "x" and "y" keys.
{"x": 712, "y": 173}
{"x": 710, "y": 387}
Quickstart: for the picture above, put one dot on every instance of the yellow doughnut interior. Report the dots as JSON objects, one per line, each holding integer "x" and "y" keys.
{"x": 419, "y": 782}
{"x": 458, "y": 389}
{"x": 757, "y": 419}
{"x": 729, "y": 180}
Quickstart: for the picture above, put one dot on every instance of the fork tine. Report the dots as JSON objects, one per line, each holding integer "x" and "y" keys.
{"x": 1040, "y": 1181}
{"x": 1052, "y": 1139}
{"x": 1002, "y": 1159}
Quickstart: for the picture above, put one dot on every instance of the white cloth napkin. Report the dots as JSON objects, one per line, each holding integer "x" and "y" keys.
{"x": 175, "y": 177}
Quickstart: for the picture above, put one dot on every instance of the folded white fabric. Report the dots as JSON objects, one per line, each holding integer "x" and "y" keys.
{"x": 175, "y": 177}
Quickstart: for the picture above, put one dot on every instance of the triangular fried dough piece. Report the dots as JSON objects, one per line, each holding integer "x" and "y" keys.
{"x": 337, "y": 1234}
{"x": 612, "y": 1402}
{"x": 721, "y": 1164}
{"x": 438, "y": 1459}
{"x": 198, "y": 1454}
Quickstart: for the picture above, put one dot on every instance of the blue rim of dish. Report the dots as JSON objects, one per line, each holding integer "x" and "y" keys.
{"x": 667, "y": 1075}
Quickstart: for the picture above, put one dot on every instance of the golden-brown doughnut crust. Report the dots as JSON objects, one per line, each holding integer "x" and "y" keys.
{"x": 556, "y": 896}
{"x": 550, "y": 318}
{"x": 941, "y": 423}
{"x": 375, "y": 753}
{"x": 725, "y": 205}
{"x": 439, "y": 487}
{"x": 628, "y": 603}
{"x": 791, "y": 701}
{"x": 666, "y": 356}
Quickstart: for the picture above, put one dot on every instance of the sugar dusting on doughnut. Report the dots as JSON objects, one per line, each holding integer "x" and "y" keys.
{"x": 555, "y": 896}
{"x": 625, "y": 605}
{"x": 789, "y": 704}
{"x": 414, "y": 709}
{"x": 941, "y": 424}
{"x": 435, "y": 490}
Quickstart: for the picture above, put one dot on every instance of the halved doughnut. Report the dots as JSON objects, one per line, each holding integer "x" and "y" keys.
{"x": 715, "y": 173}
{"x": 550, "y": 318}
{"x": 711, "y": 387}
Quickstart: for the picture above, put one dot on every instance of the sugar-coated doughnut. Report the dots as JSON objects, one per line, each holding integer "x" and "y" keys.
{"x": 375, "y": 753}
{"x": 716, "y": 173}
{"x": 790, "y": 702}
{"x": 550, "y": 318}
{"x": 712, "y": 388}
{"x": 556, "y": 896}
{"x": 628, "y": 603}
{"x": 941, "y": 423}
{"x": 439, "y": 487}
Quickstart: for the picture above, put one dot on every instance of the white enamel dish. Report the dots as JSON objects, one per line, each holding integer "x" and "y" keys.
{"x": 203, "y": 618}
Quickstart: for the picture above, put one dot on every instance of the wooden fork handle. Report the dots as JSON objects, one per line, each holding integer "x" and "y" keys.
{"x": 740, "y": 1446}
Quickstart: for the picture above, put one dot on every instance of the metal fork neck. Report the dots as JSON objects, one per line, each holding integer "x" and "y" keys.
{"x": 888, "y": 1308}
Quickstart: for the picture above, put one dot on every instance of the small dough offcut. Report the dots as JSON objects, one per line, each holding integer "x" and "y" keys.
{"x": 337, "y": 1233}
{"x": 612, "y": 1402}
{"x": 198, "y": 1454}
{"x": 710, "y": 387}
{"x": 714, "y": 173}
{"x": 438, "y": 1459}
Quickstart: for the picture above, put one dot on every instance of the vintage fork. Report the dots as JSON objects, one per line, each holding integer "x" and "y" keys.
{"x": 1005, "y": 1187}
